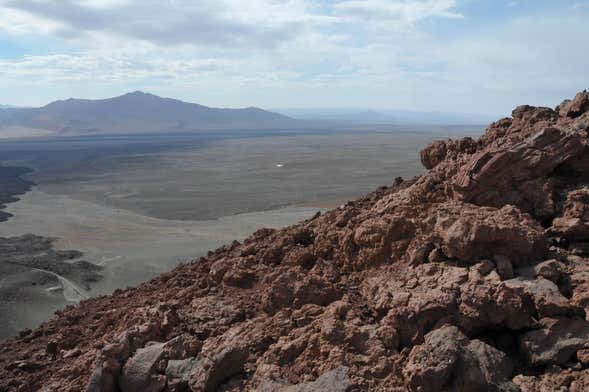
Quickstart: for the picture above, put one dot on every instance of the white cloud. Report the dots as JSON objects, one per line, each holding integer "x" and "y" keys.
{"x": 229, "y": 23}
{"x": 17, "y": 22}
{"x": 406, "y": 12}
{"x": 290, "y": 53}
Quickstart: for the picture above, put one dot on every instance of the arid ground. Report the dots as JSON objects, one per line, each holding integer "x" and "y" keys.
{"x": 138, "y": 206}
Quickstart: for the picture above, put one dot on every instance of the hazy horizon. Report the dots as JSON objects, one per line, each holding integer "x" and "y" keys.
{"x": 321, "y": 112}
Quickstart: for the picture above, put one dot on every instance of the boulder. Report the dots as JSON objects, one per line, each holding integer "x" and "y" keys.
{"x": 144, "y": 370}
{"x": 557, "y": 341}
{"x": 209, "y": 372}
{"x": 178, "y": 373}
{"x": 335, "y": 380}
{"x": 547, "y": 298}
{"x": 448, "y": 360}
{"x": 471, "y": 234}
{"x": 494, "y": 305}
{"x": 104, "y": 376}
{"x": 553, "y": 270}
{"x": 440, "y": 150}
{"x": 574, "y": 222}
{"x": 517, "y": 174}
{"x": 576, "y": 107}
{"x": 139, "y": 372}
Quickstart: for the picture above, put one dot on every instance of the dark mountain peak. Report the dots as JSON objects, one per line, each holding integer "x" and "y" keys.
{"x": 139, "y": 94}
{"x": 254, "y": 109}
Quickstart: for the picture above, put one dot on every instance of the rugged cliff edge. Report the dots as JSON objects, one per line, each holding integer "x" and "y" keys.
{"x": 472, "y": 277}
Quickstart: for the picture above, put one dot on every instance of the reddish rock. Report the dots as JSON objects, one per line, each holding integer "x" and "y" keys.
{"x": 471, "y": 234}
{"x": 576, "y": 107}
{"x": 211, "y": 371}
{"x": 139, "y": 371}
{"x": 518, "y": 175}
{"x": 333, "y": 381}
{"x": 448, "y": 360}
{"x": 557, "y": 341}
{"x": 441, "y": 150}
{"x": 574, "y": 222}
{"x": 547, "y": 298}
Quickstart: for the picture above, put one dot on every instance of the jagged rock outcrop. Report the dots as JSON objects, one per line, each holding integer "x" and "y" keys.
{"x": 473, "y": 276}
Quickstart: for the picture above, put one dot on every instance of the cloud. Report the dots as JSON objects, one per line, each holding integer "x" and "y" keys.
{"x": 230, "y": 23}
{"x": 180, "y": 22}
{"x": 404, "y": 12}
{"x": 379, "y": 53}
{"x": 214, "y": 23}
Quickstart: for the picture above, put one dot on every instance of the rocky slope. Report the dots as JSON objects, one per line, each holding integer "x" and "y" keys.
{"x": 472, "y": 277}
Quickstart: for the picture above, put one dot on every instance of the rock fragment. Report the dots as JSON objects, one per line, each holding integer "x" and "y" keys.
{"x": 448, "y": 360}
{"x": 556, "y": 342}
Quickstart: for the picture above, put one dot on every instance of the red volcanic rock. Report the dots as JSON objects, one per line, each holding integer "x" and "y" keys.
{"x": 471, "y": 233}
{"x": 576, "y": 107}
{"x": 210, "y": 372}
{"x": 548, "y": 300}
{"x": 574, "y": 222}
{"x": 520, "y": 175}
{"x": 473, "y": 276}
{"x": 441, "y": 150}
{"x": 333, "y": 381}
{"x": 557, "y": 341}
{"x": 448, "y": 360}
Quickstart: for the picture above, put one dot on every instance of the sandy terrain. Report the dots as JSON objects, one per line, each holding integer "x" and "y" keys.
{"x": 132, "y": 247}
{"x": 140, "y": 206}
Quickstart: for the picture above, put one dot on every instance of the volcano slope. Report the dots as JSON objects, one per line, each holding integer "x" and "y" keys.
{"x": 471, "y": 277}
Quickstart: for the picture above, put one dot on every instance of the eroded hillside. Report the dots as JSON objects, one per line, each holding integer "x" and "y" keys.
{"x": 472, "y": 277}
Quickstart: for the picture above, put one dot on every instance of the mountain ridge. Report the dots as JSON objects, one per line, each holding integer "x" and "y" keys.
{"x": 135, "y": 112}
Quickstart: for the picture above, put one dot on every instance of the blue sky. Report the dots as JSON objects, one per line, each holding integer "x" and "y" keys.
{"x": 480, "y": 56}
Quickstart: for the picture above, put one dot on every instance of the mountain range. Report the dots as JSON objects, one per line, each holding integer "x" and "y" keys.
{"x": 139, "y": 112}
{"x": 135, "y": 112}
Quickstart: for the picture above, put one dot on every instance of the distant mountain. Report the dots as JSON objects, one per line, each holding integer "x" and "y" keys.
{"x": 135, "y": 112}
{"x": 387, "y": 116}
{"x": 343, "y": 115}
{"x": 439, "y": 118}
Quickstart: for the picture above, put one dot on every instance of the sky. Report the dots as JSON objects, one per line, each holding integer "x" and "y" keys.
{"x": 477, "y": 56}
